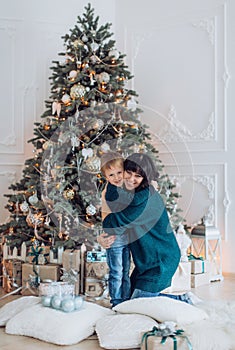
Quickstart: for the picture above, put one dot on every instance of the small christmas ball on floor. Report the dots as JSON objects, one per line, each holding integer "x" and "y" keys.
{"x": 78, "y": 302}
{"x": 67, "y": 305}
{"x": 46, "y": 300}
{"x": 56, "y": 302}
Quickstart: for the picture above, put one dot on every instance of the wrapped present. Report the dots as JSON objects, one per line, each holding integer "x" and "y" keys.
{"x": 71, "y": 259}
{"x": 12, "y": 274}
{"x": 56, "y": 288}
{"x": 165, "y": 337}
{"x": 96, "y": 269}
{"x": 93, "y": 255}
{"x": 72, "y": 277}
{"x": 96, "y": 288}
{"x": 200, "y": 279}
{"x": 181, "y": 281}
{"x": 198, "y": 264}
{"x": 32, "y": 275}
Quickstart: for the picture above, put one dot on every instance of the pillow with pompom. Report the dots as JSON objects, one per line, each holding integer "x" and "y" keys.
{"x": 12, "y": 308}
{"x": 122, "y": 331}
{"x": 163, "y": 309}
{"x": 55, "y": 326}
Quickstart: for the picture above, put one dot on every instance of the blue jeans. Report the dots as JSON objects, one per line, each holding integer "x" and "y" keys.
{"x": 118, "y": 259}
{"x": 138, "y": 293}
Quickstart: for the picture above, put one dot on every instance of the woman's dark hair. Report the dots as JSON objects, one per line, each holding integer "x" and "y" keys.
{"x": 143, "y": 165}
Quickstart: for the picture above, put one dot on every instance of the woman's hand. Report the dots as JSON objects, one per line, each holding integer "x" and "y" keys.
{"x": 105, "y": 240}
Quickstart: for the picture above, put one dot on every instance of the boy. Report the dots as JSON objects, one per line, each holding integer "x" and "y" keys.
{"x": 118, "y": 256}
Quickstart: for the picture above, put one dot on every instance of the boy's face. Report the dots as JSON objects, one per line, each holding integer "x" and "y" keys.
{"x": 114, "y": 175}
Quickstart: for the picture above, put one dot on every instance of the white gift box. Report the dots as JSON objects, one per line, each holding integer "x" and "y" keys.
{"x": 200, "y": 279}
{"x": 200, "y": 266}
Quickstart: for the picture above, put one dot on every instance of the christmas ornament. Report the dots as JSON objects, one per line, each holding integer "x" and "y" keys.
{"x": 46, "y": 300}
{"x": 87, "y": 152}
{"x": 91, "y": 210}
{"x": 99, "y": 124}
{"x": 65, "y": 98}
{"x": 78, "y": 43}
{"x": 94, "y": 46}
{"x": 105, "y": 147}
{"x": 73, "y": 74}
{"x": 56, "y": 108}
{"x": 56, "y": 302}
{"x": 68, "y": 305}
{"x": 113, "y": 54}
{"x": 77, "y": 91}
{"x": 78, "y": 302}
{"x": 69, "y": 194}
{"x": 75, "y": 142}
{"x": 92, "y": 164}
{"x": 84, "y": 38}
{"x": 33, "y": 199}
{"x": 103, "y": 77}
{"x": 24, "y": 207}
{"x": 94, "y": 59}
{"x": 131, "y": 104}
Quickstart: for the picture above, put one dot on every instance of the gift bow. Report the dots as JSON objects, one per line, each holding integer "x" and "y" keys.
{"x": 35, "y": 252}
{"x": 166, "y": 332}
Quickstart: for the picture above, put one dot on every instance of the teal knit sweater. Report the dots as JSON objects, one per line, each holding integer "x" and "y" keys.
{"x": 153, "y": 245}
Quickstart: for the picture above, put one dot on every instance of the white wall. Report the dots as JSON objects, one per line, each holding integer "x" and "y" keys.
{"x": 182, "y": 56}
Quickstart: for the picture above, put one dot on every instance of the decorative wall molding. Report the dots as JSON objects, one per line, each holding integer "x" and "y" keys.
{"x": 176, "y": 131}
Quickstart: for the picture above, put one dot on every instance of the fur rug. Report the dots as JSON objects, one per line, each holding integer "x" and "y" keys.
{"x": 217, "y": 332}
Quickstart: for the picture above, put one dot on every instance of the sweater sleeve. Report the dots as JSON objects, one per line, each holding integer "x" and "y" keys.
{"x": 141, "y": 214}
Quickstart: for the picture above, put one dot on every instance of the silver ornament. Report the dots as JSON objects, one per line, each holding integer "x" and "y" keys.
{"x": 91, "y": 210}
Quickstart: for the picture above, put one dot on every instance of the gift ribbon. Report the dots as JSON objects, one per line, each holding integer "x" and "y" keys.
{"x": 35, "y": 252}
{"x": 193, "y": 257}
{"x": 160, "y": 333}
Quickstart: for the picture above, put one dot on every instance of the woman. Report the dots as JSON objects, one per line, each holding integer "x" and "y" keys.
{"x": 152, "y": 242}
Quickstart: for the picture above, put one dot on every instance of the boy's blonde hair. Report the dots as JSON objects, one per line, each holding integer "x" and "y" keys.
{"x": 110, "y": 159}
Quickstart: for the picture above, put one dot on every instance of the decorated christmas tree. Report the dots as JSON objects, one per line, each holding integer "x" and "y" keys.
{"x": 90, "y": 111}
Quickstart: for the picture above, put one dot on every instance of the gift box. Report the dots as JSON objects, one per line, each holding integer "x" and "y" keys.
{"x": 95, "y": 287}
{"x": 12, "y": 274}
{"x": 200, "y": 279}
{"x": 32, "y": 275}
{"x": 199, "y": 266}
{"x": 151, "y": 341}
{"x": 181, "y": 281}
{"x": 72, "y": 277}
{"x": 96, "y": 269}
{"x": 71, "y": 259}
{"x": 56, "y": 288}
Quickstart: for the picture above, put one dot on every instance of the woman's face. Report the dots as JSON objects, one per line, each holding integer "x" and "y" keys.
{"x": 132, "y": 180}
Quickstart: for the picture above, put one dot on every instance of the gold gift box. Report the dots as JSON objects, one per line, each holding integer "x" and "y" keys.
{"x": 49, "y": 272}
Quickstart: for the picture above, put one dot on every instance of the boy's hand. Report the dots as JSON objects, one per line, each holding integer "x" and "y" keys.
{"x": 105, "y": 240}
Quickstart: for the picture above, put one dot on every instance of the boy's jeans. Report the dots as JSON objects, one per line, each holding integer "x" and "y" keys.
{"x": 138, "y": 293}
{"x": 118, "y": 259}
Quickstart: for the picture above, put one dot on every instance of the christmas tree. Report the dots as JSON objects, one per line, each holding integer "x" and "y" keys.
{"x": 90, "y": 111}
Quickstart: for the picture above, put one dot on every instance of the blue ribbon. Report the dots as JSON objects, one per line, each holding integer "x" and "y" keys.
{"x": 193, "y": 257}
{"x": 165, "y": 333}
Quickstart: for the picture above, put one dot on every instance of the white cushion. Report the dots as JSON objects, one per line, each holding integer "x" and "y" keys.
{"x": 122, "y": 331}
{"x": 55, "y": 326}
{"x": 12, "y": 308}
{"x": 163, "y": 309}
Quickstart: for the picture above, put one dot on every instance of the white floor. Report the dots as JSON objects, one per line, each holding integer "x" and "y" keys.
{"x": 220, "y": 290}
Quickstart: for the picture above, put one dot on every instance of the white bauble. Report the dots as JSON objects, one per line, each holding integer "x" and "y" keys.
{"x": 65, "y": 98}
{"x": 56, "y": 302}
{"x": 67, "y": 305}
{"x": 114, "y": 54}
{"x": 46, "y": 300}
{"x": 78, "y": 302}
